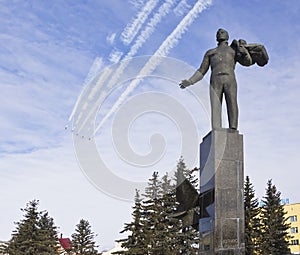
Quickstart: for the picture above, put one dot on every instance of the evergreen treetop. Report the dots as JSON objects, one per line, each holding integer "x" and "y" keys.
{"x": 274, "y": 236}
{"x": 35, "y": 234}
{"x": 136, "y": 241}
{"x": 152, "y": 231}
{"x": 83, "y": 239}
{"x": 252, "y": 221}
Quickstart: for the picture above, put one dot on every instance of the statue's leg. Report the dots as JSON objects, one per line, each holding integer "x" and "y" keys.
{"x": 230, "y": 91}
{"x": 216, "y": 95}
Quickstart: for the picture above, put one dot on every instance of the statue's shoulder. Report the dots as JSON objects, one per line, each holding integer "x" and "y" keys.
{"x": 211, "y": 51}
{"x": 234, "y": 44}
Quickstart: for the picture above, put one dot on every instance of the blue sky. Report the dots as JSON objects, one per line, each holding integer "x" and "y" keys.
{"x": 46, "y": 62}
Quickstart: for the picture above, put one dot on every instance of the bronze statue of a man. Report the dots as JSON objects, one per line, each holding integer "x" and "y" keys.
{"x": 222, "y": 61}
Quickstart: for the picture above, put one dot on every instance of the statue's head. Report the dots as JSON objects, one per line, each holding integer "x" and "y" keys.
{"x": 222, "y": 35}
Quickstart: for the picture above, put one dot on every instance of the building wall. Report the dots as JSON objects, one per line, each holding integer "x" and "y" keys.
{"x": 293, "y": 214}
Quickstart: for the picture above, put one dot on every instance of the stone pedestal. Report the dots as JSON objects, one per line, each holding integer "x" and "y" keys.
{"x": 221, "y": 187}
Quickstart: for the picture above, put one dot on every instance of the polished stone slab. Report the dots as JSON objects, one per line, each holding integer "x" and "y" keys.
{"x": 222, "y": 177}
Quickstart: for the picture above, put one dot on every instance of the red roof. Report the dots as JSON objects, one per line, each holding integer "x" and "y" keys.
{"x": 65, "y": 243}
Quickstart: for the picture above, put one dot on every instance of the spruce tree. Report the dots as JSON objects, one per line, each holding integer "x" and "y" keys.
{"x": 153, "y": 230}
{"x": 32, "y": 235}
{"x": 135, "y": 242}
{"x": 252, "y": 221}
{"x": 152, "y": 216}
{"x": 3, "y": 248}
{"x": 168, "y": 228}
{"x": 48, "y": 234}
{"x": 83, "y": 239}
{"x": 157, "y": 206}
{"x": 274, "y": 237}
{"x": 187, "y": 237}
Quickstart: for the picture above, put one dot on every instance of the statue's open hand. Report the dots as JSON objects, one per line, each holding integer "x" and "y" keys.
{"x": 184, "y": 84}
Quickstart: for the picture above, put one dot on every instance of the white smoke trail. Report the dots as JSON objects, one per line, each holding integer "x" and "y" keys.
{"x": 142, "y": 38}
{"x": 182, "y": 27}
{"x": 129, "y": 33}
{"x": 182, "y": 8}
{"x": 163, "y": 50}
{"x": 151, "y": 26}
{"x": 136, "y": 3}
{"x": 96, "y": 66}
{"x": 133, "y": 28}
{"x": 163, "y": 10}
{"x": 104, "y": 76}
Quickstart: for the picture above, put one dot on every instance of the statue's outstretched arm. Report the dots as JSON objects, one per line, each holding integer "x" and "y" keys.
{"x": 198, "y": 75}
